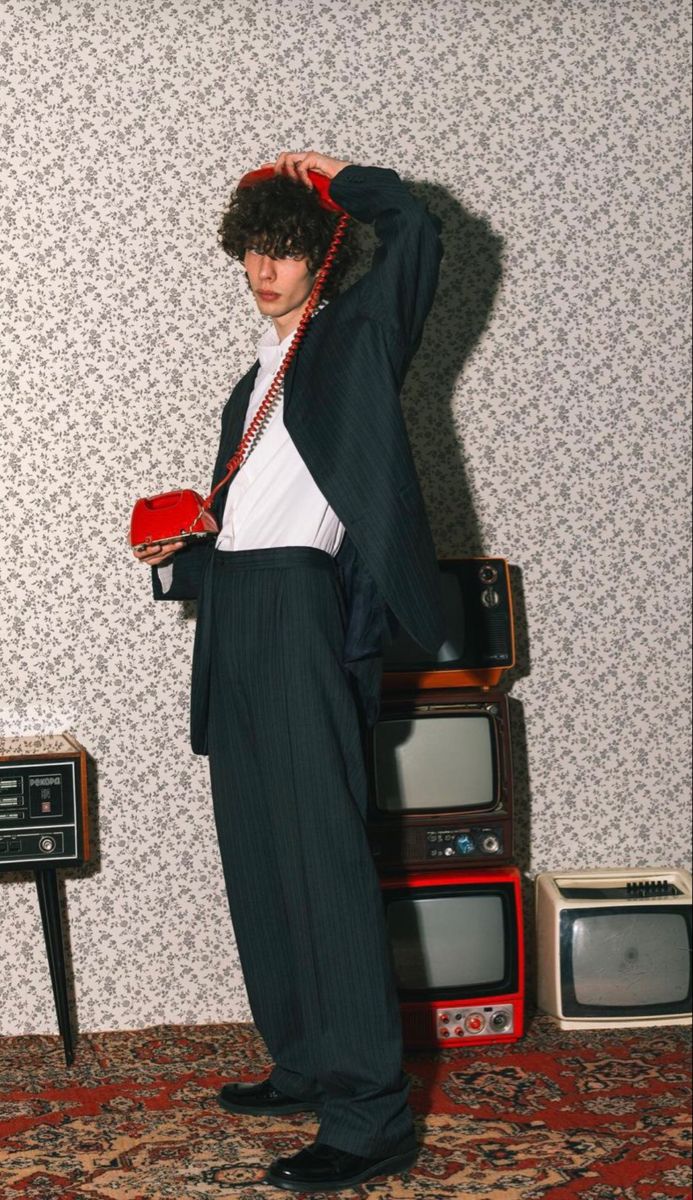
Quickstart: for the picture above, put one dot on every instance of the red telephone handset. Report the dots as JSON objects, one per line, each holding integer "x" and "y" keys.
{"x": 183, "y": 515}
{"x": 321, "y": 185}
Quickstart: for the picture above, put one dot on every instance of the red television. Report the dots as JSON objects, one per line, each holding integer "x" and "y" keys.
{"x": 458, "y": 949}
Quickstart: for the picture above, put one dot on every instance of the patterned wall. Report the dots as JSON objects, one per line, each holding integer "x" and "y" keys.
{"x": 547, "y": 406}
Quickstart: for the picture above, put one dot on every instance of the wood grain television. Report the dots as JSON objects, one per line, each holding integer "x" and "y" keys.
{"x": 440, "y": 780}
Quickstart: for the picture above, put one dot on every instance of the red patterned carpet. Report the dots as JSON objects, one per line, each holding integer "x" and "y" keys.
{"x": 556, "y": 1116}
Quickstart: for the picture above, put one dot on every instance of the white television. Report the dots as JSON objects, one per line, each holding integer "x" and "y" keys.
{"x": 614, "y": 947}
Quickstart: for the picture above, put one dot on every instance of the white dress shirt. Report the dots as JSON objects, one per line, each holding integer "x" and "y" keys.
{"x": 273, "y": 500}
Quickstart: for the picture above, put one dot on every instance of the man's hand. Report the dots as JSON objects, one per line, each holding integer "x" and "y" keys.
{"x": 297, "y": 166}
{"x": 156, "y": 554}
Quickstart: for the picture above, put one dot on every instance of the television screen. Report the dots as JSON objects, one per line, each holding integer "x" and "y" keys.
{"x": 634, "y": 960}
{"x": 438, "y": 762}
{"x": 405, "y": 652}
{"x": 453, "y": 939}
{"x": 447, "y": 941}
{"x": 478, "y": 621}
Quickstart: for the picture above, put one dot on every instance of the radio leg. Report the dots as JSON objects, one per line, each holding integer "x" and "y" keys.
{"x": 49, "y": 904}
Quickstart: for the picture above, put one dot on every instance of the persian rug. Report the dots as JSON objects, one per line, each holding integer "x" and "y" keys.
{"x": 555, "y": 1116}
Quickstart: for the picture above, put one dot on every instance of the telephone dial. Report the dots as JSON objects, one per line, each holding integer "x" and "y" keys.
{"x": 183, "y": 515}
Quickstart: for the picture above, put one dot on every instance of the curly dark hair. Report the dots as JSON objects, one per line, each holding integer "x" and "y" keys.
{"x": 285, "y": 219}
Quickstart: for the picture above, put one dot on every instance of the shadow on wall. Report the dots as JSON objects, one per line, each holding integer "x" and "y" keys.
{"x": 470, "y": 275}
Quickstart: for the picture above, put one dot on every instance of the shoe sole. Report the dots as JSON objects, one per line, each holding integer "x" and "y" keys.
{"x": 388, "y": 1166}
{"x": 258, "y": 1110}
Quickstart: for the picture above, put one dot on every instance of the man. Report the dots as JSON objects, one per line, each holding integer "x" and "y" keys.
{"x": 324, "y": 543}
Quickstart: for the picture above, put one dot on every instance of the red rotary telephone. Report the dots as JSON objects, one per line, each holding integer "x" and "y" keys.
{"x": 183, "y": 515}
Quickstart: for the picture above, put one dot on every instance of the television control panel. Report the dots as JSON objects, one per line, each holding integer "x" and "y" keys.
{"x": 471, "y": 1021}
{"x": 462, "y": 1023}
{"x": 486, "y": 841}
{"x": 42, "y": 801}
{"x": 431, "y": 846}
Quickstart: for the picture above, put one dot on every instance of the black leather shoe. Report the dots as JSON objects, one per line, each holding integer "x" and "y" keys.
{"x": 321, "y": 1168}
{"x": 261, "y": 1099}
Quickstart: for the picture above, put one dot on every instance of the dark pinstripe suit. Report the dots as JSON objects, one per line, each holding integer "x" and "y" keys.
{"x": 286, "y": 641}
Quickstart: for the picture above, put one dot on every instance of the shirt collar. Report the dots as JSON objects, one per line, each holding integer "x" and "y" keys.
{"x": 270, "y": 349}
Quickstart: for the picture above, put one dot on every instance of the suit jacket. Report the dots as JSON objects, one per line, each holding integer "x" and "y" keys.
{"x": 342, "y": 410}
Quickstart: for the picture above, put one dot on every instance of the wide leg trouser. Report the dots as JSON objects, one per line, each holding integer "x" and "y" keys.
{"x": 289, "y": 789}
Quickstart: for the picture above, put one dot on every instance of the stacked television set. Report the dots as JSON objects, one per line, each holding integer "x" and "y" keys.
{"x": 441, "y": 819}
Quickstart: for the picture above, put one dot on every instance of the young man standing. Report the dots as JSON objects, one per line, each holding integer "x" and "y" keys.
{"x": 324, "y": 543}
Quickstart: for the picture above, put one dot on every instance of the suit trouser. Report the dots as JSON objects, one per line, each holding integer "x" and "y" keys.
{"x": 289, "y": 789}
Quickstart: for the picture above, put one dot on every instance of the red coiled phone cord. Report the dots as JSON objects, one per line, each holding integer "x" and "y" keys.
{"x": 261, "y": 418}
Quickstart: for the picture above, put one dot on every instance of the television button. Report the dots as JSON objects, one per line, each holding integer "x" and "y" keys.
{"x": 475, "y": 1022}
{"x": 444, "y": 1018}
{"x": 459, "y": 1031}
{"x": 490, "y": 598}
{"x": 448, "y": 851}
{"x": 445, "y": 1033}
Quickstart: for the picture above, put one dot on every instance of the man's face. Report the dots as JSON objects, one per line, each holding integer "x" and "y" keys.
{"x": 281, "y": 286}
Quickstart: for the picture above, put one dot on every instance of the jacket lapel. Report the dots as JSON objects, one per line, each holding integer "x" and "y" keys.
{"x": 293, "y": 398}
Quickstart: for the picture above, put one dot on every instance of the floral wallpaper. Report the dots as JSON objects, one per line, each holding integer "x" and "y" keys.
{"x": 548, "y": 410}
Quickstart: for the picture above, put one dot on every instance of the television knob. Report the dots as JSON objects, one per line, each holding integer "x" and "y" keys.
{"x": 459, "y": 1031}
{"x": 47, "y": 845}
{"x": 488, "y": 574}
{"x": 490, "y": 598}
{"x": 445, "y": 1033}
{"x": 490, "y": 843}
{"x": 499, "y": 1021}
{"x": 465, "y": 844}
{"x": 474, "y": 1022}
